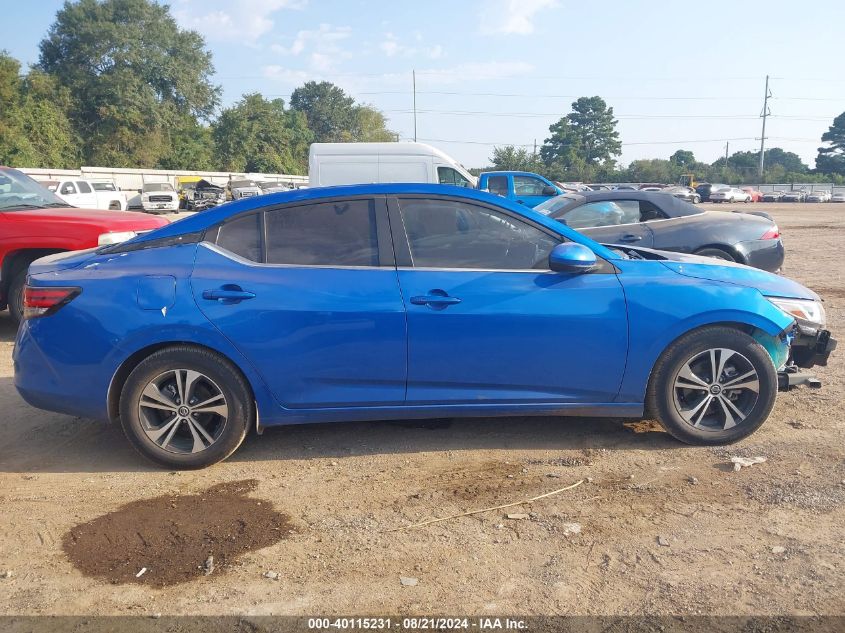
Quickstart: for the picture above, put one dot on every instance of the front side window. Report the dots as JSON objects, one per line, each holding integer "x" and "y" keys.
{"x": 452, "y": 234}
{"x": 242, "y": 236}
{"x": 335, "y": 233}
{"x": 449, "y": 176}
{"x": 83, "y": 186}
{"x": 68, "y": 189}
{"x": 603, "y": 213}
{"x": 528, "y": 186}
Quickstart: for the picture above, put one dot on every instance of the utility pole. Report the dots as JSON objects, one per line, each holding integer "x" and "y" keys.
{"x": 727, "y": 147}
{"x": 765, "y": 113}
{"x": 534, "y": 157}
{"x": 414, "y": 80}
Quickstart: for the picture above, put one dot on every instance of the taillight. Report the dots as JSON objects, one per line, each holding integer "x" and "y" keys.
{"x": 41, "y": 301}
{"x": 772, "y": 234}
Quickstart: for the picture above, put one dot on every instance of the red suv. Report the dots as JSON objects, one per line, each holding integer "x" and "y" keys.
{"x": 34, "y": 223}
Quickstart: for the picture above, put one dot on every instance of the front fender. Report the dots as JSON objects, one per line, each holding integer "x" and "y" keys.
{"x": 661, "y": 313}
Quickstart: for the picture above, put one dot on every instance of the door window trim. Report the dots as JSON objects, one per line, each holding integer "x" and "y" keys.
{"x": 384, "y": 240}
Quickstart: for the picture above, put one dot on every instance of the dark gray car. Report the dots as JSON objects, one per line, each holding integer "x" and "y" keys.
{"x": 656, "y": 220}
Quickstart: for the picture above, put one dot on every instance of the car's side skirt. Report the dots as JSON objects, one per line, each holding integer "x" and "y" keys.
{"x": 350, "y": 414}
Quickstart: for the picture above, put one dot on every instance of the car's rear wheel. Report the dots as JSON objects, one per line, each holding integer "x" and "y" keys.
{"x": 716, "y": 253}
{"x": 715, "y": 385}
{"x": 184, "y": 407}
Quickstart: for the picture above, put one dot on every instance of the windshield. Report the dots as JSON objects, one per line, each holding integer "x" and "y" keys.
{"x": 552, "y": 206}
{"x": 158, "y": 186}
{"x": 19, "y": 191}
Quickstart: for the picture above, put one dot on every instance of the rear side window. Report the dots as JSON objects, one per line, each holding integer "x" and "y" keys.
{"x": 242, "y": 236}
{"x": 83, "y": 186}
{"x": 337, "y": 233}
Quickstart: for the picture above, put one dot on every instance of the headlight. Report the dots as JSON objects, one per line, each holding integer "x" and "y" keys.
{"x": 805, "y": 311}
{"x": 115, "y": 238}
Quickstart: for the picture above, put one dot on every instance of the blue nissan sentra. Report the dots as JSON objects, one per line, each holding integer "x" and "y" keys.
{"x": 394, "y": 301}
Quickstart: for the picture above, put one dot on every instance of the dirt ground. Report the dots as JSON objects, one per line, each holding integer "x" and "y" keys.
{"x": 664, "y": 528}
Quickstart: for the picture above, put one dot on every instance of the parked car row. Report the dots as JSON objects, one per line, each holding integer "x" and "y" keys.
{"x": 89, "y": 194}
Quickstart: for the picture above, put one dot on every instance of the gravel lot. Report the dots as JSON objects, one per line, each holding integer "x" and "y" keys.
{"x": 664, "y": 528}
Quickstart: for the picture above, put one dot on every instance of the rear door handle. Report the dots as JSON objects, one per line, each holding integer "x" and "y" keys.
{"x": 227, "y": 295}
{"x": 630, "y": 238}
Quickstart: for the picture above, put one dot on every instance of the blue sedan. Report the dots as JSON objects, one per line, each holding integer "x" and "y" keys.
{"x": 379, "y": 302}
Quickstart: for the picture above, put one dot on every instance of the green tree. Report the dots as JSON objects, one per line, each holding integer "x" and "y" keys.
{"x": 584, "y": 143}
{"x": 831, "y": 160}
{"x": 34, "y": 129}
{"x": 511, "y": 158}
{"x": 682, "y": 158}
{"x": 329, "y": 110}
{"x": 370, "y": 126}
{"x": 259, "y": 135}
{"x": 134, "y": 75}
{"x": 334, "y": 117}
{"x": 189, "y": 146}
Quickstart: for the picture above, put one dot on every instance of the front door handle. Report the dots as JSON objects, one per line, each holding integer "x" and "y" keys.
{"x": 436, "y": 299}
{"x": 227, "y": 294}
{"x": 630, "y": 237}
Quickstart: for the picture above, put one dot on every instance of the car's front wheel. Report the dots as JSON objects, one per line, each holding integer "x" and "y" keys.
{"x": 15, "y": 296}
{"x": 712, "y": 386}
{"x": 184, "y": 407}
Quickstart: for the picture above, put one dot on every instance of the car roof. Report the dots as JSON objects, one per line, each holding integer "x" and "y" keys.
{"x": 513, "y": 172}
{"x": 669, "y": 204}
{"x": 206, "y": 219}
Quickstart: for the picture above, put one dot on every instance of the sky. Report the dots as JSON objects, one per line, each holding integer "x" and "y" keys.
{"x": 494, "y": 72}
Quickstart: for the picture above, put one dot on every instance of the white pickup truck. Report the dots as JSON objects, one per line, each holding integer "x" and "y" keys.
{"x": 89, "y": 194}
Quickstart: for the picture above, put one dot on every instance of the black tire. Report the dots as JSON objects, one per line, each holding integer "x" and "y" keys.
{"x": 662, "y": 400}
{"x": 220, "y": 373}
{"x": 15, "y": 296}
{"x": 716, "y": 253}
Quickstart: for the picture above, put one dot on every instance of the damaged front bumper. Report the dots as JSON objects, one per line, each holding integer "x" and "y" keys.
{"x": 809, "y": 347}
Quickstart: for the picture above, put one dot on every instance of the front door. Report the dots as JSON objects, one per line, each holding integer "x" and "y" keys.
{"x": 489, "y": 323}
{"x": 529, "y": 190}
{"x": 315, "y": 306}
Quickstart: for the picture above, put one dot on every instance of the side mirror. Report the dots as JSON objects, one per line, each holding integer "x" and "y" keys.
{"x": 548, "y": 190}
{"x": 572, "y": 258}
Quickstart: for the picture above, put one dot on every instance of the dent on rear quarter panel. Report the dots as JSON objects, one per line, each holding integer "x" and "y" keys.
{"x": 663, "y": 305}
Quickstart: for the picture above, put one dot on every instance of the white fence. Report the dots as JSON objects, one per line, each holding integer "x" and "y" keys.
{"x": 134, "y": 179}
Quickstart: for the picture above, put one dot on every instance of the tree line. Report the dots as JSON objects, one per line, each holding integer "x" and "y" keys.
{"x": 584, "y": 144}
{"x": 119, "y": 84}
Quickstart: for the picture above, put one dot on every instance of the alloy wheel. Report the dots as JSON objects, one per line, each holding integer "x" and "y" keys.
{"x": 183, "y": 411}
{"x": 716, "y": 389}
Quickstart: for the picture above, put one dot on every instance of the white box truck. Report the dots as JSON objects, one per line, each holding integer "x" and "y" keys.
{"x": 362, "y": 163}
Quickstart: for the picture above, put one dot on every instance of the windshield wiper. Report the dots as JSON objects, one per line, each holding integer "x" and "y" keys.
{"x": 58, "y": 205}
{"x": 21, "y": 205}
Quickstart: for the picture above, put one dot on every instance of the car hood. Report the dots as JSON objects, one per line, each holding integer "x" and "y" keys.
{"x": 107, "y": 220}
{"x": 712, "y": 269}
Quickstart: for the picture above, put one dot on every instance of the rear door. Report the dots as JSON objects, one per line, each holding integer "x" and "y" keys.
{"x": 309, "y": 294}
{"x": 613, "y": 221}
